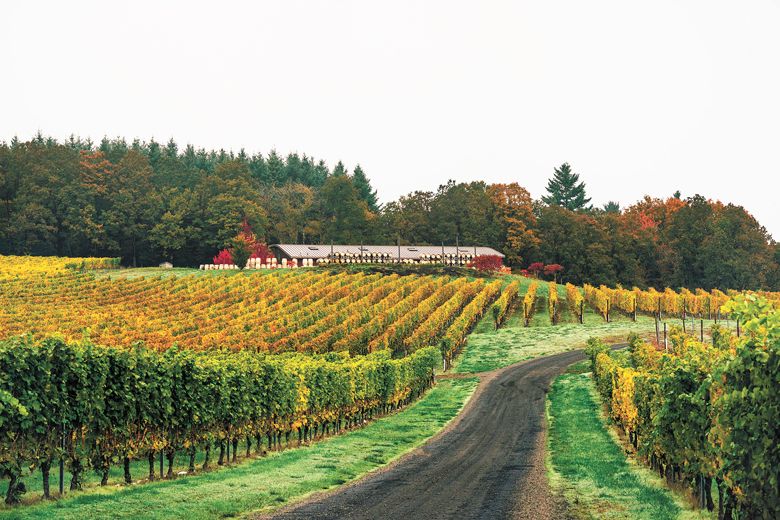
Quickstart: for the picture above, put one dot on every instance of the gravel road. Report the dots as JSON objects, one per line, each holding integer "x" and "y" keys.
{"x": 487, "y": 464}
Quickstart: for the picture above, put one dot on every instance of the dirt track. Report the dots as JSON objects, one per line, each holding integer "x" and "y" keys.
{"x": 489, "y": 463}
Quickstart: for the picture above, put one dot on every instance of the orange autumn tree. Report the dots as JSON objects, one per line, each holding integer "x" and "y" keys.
{"x": 515, "y": 209}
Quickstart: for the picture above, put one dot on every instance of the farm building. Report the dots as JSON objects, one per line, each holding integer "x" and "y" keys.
{"x": 308, "y": 254}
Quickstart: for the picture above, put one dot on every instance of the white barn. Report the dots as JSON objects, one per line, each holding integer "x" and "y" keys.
{"x": 317, "y": 254}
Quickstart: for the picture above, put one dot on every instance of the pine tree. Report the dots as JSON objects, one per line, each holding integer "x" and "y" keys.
{"x": 339, "y": 170}
{"x": 565, "y": 191}
{"x": 364, "y": 189}
{"x": 274, "y": 167}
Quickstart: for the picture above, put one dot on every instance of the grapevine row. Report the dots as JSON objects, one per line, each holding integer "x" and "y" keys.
{"x": 575, "y": 300}
{"x": 110, "y": 405}
{"x": 701, "y": 413}
{"x": 471, "y": 314}
{"x": 306, "y": 311}
{"x": 504, "y": 303}
{"x": 552, "y": 301}
{"x": 529, "y": 302}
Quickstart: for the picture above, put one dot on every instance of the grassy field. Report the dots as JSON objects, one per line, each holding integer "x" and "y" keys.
{"x": 488, "y": 349}
{"x": 588, "y": 466}
{"x": 262, "y": 484}
{"x": 138, "y": 272}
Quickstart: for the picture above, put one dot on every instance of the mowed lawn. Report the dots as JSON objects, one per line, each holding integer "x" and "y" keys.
{"x": 488, "y": 349}
{"x": 262, "y": 484}
{"x": 589, "y": 467}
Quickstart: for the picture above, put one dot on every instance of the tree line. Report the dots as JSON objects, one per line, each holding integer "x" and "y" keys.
{"x": 148, "y": 202}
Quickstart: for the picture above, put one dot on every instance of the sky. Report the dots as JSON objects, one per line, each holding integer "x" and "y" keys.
{"x": 639, "y": 97}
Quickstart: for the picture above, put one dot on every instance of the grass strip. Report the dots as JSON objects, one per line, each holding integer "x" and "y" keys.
{"x": 587, "y": 465}
{"x": 489, "y": 349}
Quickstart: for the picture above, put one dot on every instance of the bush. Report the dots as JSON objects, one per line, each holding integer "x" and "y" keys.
{"x": 487, "y": 263}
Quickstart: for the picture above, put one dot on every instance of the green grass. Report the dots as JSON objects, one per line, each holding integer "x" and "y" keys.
{"x": 488, "y": 349}
{"x": 263, "y": 484}
{"x": 588, "y": 466}
{"x": 137, "y": 272}
{"x": 581, "y": 367}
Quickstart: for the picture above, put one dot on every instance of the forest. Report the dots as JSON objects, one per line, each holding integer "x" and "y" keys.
{"x": 150, "y": 202}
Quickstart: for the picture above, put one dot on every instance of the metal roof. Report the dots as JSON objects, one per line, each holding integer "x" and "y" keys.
{"x": 407, "y": 252}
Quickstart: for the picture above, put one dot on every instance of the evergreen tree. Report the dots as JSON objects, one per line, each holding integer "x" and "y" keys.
{"x": 153, "y": 152}
{"x": 611, "y": 207}
{"x": 364, "y": 189}
{"x": 274, "y": 168}
{"x": 565, "y": 190}
{"x": 320, "y": 174}
{"x": 339, "y": 170}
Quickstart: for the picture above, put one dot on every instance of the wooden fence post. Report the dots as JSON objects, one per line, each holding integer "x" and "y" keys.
{"x": 657, "y": 334}
{"x": 62, "y": 462}
{"x": 701, "y": 332}
{"x": 666, "y": 343}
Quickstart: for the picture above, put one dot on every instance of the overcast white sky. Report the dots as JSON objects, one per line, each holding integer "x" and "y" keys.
{"x": 641, "y": 98}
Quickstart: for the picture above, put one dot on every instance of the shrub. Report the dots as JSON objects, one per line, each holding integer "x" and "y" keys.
{"x": 490, "y": 263}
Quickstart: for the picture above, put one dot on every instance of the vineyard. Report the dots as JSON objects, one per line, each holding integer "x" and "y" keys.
{"x": 100, "y": 371}
{"x": 684, "y": 304}
{"x": 304, "y": 311}
{"x": 699, "y": 413}
{"x": 104, "y": 371}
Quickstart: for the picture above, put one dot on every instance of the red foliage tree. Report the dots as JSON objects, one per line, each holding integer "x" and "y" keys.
{"x": 487, "y": 263}
{"x": 553, "y": 270}
{"x": 536, "y": 268}
{"x": 224, "y": 257}
{"x": 259, "y": 248}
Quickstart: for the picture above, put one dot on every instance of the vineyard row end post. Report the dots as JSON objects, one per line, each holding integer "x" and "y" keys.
{"x": 62, "y": 462}
{"x": 666, "y": 344}
{"x": 657, "y": 334}
{"x": 701, "y": 331}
